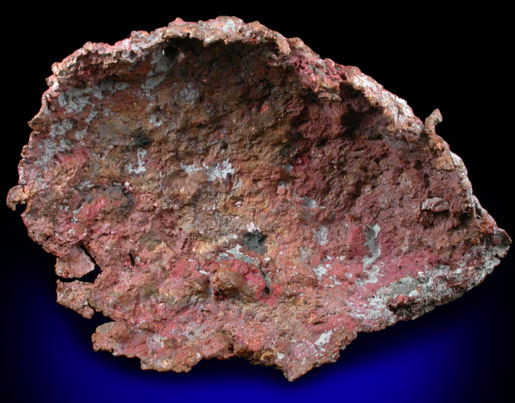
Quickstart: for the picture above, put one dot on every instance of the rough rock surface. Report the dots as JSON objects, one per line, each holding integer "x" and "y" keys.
{"x": 243, "y": 197}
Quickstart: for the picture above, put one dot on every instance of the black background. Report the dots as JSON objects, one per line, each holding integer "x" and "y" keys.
{"x": 454, "y": 59}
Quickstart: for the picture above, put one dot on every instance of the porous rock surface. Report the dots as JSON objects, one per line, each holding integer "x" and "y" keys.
{"x": 243, "y": 197}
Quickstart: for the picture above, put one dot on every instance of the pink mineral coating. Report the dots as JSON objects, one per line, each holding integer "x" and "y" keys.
{"x": 243, "y": 197}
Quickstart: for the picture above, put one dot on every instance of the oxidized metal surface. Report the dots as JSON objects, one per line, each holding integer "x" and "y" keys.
{"x": 243, "y": 197}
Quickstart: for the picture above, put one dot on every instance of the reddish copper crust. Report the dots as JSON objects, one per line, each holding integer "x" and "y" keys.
{"x": 243, "y": 197}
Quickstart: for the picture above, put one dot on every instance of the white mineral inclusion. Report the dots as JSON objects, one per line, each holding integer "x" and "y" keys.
{"x": 217, "y": 170}
{"x": 321, "y": 235}
{"x": 190, "y": 168}
{"x": 213, "y": 172}
{"x": 320, "y": 270}
{"x": 141, "y": 163}
{"x": 238, "y": 255}
{"x": 324, "y": 338}
{"x": 375, "y": 251}
{"x": 252, "y": 227}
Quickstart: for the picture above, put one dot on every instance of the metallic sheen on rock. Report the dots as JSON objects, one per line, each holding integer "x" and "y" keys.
{"x": 243, "y": 197}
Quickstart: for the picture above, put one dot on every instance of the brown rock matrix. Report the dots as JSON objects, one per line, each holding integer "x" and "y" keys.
{"x": 243, "y": 197}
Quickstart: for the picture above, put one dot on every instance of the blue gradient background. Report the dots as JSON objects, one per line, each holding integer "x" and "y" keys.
{"x": 461, "y": 352}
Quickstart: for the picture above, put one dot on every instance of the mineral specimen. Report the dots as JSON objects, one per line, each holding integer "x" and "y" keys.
{"x": 243, "y": 197}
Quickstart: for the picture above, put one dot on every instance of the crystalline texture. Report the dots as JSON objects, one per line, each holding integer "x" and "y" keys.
{"x": 243, "y": 197}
